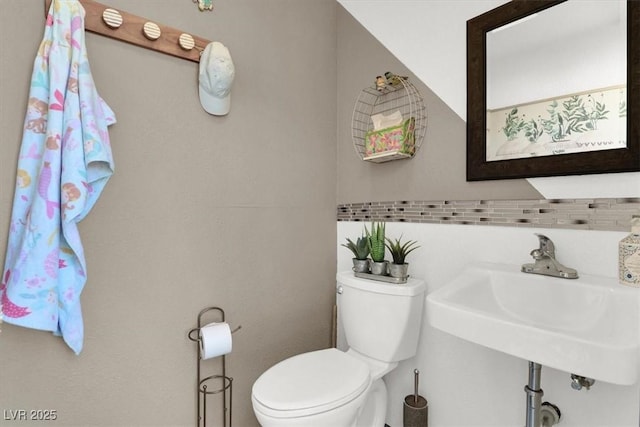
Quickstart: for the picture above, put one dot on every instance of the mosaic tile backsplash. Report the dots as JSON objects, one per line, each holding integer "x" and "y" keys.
{"x": 584, "y": 214}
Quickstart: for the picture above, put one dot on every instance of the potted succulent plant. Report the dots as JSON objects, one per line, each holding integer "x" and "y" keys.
{"x": 399, "y": 251}
{"x": 377, "y": 248}
{"x": 360, "y": 251}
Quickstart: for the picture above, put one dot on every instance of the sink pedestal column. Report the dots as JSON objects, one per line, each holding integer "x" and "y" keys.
{"x": 534, "y": 396}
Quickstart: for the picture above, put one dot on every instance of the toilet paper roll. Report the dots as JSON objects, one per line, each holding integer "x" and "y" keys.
{"x": 215, "y": 340}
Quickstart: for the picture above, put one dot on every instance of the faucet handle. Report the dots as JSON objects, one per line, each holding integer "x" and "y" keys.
{"x": 546, "y": 245}
{"x": 537, "y": 254}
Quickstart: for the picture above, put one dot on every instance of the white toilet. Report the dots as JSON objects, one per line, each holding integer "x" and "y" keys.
{"x": 331, "y": 388}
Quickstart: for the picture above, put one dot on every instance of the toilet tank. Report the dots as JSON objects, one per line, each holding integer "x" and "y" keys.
{"x": 380, "y": 320}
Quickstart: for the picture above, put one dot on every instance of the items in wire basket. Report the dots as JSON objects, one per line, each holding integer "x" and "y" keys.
{"x": 393, "y": 140}
{"x": 380, "y": 121}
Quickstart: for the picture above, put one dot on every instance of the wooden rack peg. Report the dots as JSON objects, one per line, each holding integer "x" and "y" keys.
{"x": 120, "y": 25}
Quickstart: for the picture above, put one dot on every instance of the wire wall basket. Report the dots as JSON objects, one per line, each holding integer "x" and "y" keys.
{"x": 401, "y": 118}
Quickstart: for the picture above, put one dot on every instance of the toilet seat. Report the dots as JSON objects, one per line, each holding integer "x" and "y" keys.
{"x": 310, "y": 383}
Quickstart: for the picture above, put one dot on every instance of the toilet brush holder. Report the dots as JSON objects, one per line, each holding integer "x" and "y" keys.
{"x": 416, "y": 408}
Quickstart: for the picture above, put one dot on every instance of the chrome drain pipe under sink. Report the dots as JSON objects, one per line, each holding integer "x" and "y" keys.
{"x": 539, "y": 414}
{"x": 534, "y": 396}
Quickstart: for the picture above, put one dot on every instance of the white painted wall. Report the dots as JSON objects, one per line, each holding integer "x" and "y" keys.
{"x": 429, "y": 37}
{"x": 574, "y": 70}
{"x": 468, "y": 385}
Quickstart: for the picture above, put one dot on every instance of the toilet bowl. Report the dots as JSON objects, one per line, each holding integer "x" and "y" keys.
{"x": 320, "y": 388}
{"x": 332, "y": 388}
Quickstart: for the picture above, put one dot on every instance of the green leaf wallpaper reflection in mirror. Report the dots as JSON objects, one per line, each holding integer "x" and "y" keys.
{"x": 575, "y": 123}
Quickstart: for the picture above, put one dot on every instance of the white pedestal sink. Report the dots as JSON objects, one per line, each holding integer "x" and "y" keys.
{"x": 587, "y": 326}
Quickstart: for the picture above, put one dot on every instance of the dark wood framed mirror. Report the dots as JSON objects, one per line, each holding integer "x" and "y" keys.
{"x": 552, "y": 163}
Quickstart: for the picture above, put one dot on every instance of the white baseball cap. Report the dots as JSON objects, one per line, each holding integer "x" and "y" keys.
{"x": 215, "y": 79}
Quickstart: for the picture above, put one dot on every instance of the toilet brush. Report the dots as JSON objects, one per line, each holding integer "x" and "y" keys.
{"x": 416, "y": 408}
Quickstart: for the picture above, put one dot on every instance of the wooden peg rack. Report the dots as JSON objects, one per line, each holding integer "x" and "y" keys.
{"x": 131, "y": 30}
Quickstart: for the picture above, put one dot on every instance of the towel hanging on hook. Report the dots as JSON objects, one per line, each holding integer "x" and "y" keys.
{"x": 121, "y": 25}
{"x": 65, "y": 162}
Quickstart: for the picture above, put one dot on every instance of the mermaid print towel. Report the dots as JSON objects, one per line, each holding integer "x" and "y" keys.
{"x": 65, "y": 161}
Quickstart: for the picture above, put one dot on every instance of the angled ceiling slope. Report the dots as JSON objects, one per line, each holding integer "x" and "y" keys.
{"x": 427, "y": 36}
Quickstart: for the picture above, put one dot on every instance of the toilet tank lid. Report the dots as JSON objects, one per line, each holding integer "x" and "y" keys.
{"x": 413, "y": 286}
{"x": 311, "y": 383}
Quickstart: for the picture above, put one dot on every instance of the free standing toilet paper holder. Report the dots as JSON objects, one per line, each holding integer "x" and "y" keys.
{"x": 202, "y": 384}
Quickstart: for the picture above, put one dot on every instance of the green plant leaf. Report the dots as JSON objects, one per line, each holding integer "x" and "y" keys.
{"x": 376, "y": 241}
{"x": 398, "y": 250}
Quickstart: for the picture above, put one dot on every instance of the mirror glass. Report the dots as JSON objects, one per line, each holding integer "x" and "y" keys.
{"x": 553, "y": 88}
{"x": 556, "y": 81}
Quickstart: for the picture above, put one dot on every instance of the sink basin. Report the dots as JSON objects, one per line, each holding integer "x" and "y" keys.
{"x": 586, "y": 326}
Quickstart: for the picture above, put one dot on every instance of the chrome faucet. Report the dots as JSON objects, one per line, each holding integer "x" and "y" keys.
{"x": 545, "y": 261}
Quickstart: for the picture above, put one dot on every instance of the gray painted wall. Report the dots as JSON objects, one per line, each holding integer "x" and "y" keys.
{"x": 201, "y": 211}
{"x": 438, "y": 170}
